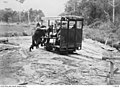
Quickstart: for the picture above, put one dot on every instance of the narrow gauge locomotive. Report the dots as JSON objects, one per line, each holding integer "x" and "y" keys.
{"x": 64, "y": 33}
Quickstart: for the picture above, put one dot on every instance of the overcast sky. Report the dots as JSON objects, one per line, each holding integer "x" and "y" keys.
{"x": 49, "y": 7}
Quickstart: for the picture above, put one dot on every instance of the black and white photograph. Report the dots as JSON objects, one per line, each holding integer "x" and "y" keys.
{"x": 59, "y": 42}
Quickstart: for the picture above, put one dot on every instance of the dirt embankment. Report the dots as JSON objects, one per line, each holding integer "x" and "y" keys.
{"x": 40, "y": 67}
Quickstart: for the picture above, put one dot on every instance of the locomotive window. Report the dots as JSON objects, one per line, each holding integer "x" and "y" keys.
{"x": 64, "y": 24}
{"x": 79, "y": 24}
{"x": 71, "y": 24}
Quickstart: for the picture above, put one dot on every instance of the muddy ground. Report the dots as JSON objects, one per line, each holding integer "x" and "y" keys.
{"x": 40, "y": 67}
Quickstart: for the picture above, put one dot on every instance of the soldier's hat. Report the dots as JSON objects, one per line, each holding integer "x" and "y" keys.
{"x": 38, "y": 25}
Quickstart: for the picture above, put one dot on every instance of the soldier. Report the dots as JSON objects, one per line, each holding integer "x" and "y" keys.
{"x": 37, "y": 37}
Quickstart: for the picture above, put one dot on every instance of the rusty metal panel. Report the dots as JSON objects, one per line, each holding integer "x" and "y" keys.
{"x": 63, "y": 38}
{"x": 79, "y": 36}
{"x": 72, "y": 36}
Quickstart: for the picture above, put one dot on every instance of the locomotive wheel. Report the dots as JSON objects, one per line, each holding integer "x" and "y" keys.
{"x": 48, "y": 48}
{"x": 63, "y": 52}
{"x": 71, "y": 52}
{"x": 57, "y": 49}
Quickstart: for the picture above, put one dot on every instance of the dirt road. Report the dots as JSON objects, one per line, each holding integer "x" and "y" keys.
{"x": 40, "y": 67}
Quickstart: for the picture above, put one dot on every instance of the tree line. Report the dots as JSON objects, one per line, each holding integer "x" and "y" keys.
{"x": 93, "y": 10}
{"x": 9, "y": 15}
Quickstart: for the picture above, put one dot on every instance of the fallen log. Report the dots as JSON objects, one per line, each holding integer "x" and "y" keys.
{"x": 3, "y": 40}
{"x": 6, "y": 41}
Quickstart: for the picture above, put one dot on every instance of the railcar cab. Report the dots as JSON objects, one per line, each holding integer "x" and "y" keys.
{"x": 71, "y": 33}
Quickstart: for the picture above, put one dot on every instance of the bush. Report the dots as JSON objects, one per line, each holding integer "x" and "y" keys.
{"x": 24, "y": 34}
{"x": 8, "y": 34}
{"x": 106, "y": 31}
{"x": 16, "y": 34}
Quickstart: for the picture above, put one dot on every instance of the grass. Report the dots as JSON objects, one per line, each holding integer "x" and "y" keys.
{"x": 16, "y": 30}
{"x": 106, "y": 32}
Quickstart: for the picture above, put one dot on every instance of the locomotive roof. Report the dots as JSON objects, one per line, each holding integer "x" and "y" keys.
{"x": 64, "y": 18}
{"x": 72, "y": 18}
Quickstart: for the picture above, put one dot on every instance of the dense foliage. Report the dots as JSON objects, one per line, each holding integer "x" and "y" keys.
{"x": 93, "y": 10}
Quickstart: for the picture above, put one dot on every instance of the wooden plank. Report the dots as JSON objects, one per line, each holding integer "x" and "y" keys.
{"x": 111, "y": 58}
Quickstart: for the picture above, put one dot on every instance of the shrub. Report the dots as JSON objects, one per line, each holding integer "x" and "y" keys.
{"x": 106, "y": 31}
{"x": 24, "y": 34}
